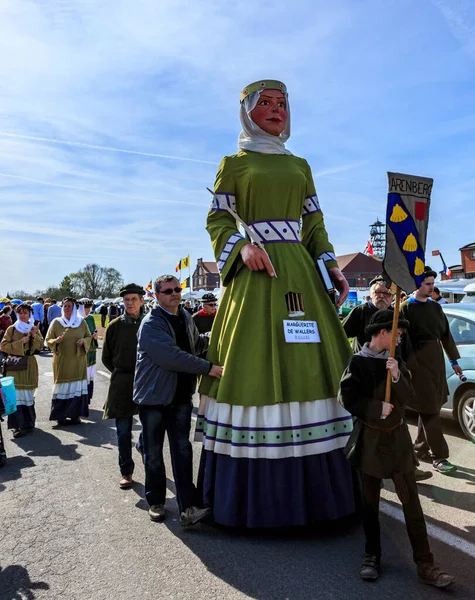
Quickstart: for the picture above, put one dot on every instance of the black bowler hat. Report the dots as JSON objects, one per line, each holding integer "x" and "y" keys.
{"x": 132, "y": 288}
{"x": 383, "y": 319}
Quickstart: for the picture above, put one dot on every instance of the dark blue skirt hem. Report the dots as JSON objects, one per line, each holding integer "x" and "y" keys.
{"x": 289, "y": 492}
{"x": 71, "y": 408}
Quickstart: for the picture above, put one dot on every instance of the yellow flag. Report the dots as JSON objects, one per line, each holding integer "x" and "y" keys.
{"x": 185, "y": 262}
{"x": 184, "y": 284}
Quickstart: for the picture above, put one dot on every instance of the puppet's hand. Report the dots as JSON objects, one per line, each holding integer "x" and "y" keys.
{"x": 340, "y": 283}
{"x": 256, "y": 259}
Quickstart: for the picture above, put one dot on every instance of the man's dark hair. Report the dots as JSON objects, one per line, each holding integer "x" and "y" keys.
{"x": 53, "y": 301}
{"x": 163, "y": 278}
{"x": 437, "y": 291}
{"x": 39, "y": 298}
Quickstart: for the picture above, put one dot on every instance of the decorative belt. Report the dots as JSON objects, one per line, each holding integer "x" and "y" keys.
{"x": 384, "y": 428}
{"x": 279, "y": 230}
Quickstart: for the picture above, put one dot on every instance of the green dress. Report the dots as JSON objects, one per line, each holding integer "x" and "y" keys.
{"x": 91, "y": 355}
{"x": 277, "y": 398}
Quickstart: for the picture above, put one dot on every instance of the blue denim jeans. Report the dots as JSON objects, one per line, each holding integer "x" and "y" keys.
{"x": 175, "y": 420}
{"x": 124, "y": 442}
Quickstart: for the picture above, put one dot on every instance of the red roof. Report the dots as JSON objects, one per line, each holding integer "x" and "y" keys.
{"x": 211, "y": 267}
{"x": 359, "y": 263}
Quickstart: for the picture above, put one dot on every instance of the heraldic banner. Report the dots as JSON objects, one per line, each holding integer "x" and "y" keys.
{"x": 407, "y": 218}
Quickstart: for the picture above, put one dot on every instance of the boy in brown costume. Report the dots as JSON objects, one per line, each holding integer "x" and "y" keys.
{"x": 380, "y": 446}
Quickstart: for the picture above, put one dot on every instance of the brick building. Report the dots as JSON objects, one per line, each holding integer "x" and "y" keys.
{"x": 205, "y": 275}
{"x": 359, "y": 269}
{"x": 467, "y": 254}
{"x": 466, "y": 270}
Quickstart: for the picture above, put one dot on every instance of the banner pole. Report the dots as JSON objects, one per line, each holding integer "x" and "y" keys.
{"x": 189, "y": 274}
{"x": 392, "y": 351}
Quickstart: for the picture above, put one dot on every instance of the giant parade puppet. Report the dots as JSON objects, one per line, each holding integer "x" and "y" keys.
{"x": 272, "y": 430}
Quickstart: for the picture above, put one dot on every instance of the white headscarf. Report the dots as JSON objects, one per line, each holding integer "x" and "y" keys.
{"x": 24, "y": 328}
{"x": 252, "y": 137}
{"x": 74, "y": 321}
{"x": 81, "y": 311}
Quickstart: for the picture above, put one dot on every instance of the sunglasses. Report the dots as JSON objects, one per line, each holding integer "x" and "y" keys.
{"x": 209, "y": 304}
{"x": 170, "y": 291}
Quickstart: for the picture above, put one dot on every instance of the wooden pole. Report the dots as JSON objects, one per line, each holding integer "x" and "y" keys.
{"x": 392, "y": 351}
{"x": 189, "y": 275}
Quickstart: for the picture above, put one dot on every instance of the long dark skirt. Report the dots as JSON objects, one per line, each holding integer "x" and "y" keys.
{"x": 278, "y": 493}
{"x": 23, "y": 418}
{"x": 70, "y": 401}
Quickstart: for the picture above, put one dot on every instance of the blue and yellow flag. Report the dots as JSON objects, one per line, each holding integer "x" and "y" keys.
{"x": 407, "y": 218}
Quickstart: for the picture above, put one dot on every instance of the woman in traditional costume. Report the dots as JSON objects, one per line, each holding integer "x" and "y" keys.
{"x": 273, "y": 432}
{"x": 69, "y": 339}
{"x": 84, "y": 311}
{"x": 22, "y": 340}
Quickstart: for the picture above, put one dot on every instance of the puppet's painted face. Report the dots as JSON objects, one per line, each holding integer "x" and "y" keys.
{"x": 270, "y": 113}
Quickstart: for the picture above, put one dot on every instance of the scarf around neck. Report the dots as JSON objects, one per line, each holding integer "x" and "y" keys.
{"x": 73, "y": 322}
{"x": 253, "y": 138}
{"x": 24, "y": 328}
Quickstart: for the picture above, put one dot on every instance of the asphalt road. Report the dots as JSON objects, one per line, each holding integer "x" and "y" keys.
{"x": 67, "y": 531}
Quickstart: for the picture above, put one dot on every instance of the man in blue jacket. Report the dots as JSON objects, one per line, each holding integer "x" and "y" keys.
{"x": 165, "y": 380}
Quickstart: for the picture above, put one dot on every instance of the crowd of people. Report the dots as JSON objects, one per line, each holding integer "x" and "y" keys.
{"x": 295, "y": 426}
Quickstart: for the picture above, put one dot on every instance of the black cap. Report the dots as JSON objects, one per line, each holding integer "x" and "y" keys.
{"x": 132, "y": 288}
{"x": 378, "y": 279}
{"x": 209, "y": 298}
{"x": 383, "y": 319}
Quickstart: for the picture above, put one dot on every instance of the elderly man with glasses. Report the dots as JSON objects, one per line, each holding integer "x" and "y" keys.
{"x": 358, "y": 319}
{"x": 165, "y": 379}
{"x": 204, "y": 318}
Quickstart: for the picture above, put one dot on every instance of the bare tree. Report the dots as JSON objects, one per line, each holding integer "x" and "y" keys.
{"x": 112, "y": 282}
{"x": 94, "y": 281}
{"x": 93, "y": 278}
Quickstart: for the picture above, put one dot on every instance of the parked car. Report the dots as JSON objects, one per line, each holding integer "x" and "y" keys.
{"x": 461, "y": 401}
{"x": 469, "y": 297}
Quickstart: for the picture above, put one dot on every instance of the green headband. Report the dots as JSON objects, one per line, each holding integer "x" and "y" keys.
{"x": 258, "y": 86}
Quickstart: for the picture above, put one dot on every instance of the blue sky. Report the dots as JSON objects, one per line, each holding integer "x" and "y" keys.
{"x": 374, "y": 86}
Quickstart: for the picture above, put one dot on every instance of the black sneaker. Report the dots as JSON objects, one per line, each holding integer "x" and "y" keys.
{"x": 193, "y": 515}
{"x": 424, "y": 456}
{"x": 422, "y": 475}
{"x": 444, "y": 466}
{"x": 157, "y": 513}
{"x": 370, "y": 567}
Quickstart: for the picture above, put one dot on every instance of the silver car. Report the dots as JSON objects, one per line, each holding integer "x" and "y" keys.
{"x": 461, "y": 401}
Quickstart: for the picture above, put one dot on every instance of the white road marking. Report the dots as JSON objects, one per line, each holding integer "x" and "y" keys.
{"x": 433, "y": 530}
{"x": 108, "y": 375}
{"x": 48, "y": 373}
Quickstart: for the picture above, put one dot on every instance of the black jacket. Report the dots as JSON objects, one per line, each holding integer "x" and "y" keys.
{"x": 378, "y": 447}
